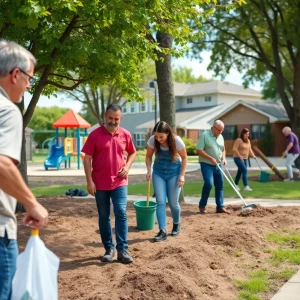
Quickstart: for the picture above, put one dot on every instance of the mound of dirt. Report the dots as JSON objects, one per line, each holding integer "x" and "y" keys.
{"x": 211, "y": 252}
{"x": 257, "y": 212}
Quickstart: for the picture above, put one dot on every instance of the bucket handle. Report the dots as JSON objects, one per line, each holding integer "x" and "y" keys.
{"x": 148, "y": 193}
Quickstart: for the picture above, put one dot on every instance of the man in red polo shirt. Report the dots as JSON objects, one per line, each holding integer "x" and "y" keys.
{"x": 106, "y": 169}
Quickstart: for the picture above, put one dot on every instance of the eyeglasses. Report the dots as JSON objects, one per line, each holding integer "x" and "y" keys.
{"x": 31, "y": 79}
{"x": 219, "y": 129}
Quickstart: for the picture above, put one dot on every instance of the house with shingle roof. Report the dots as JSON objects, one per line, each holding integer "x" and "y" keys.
{"x": 199, "y": 104}
{"x": 193, "y": 101}
{"x": 254, "y": 115}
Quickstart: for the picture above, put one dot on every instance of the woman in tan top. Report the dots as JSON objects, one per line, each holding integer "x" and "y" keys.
{"x": 241, "y": 151}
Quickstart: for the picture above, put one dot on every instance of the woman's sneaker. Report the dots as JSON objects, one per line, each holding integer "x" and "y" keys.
{"x": 247, "y": 188}
{"x": 176, "y": 229}
{"x": 161, "y": 236}
{"x": 237, "y": 187}
{"x": 289, "y": 180}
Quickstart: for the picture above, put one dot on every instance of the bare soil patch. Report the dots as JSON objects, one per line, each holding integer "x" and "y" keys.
{"x": 211, "y": 252}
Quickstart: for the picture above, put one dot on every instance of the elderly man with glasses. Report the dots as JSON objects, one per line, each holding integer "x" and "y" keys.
{"x": 16, "y": 74}
{"x": 211, "y": 151}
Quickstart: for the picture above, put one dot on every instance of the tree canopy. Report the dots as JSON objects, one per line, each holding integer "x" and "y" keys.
{"x": 76, "y": 42}
{"x": 185, "y": 74}
{"x": 261, "y": 40}
{"x": 43, "y": 119}
{"x": 97, "y": 42}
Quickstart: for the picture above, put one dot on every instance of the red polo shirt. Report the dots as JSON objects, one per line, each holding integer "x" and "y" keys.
{"x": 108, "y": 156}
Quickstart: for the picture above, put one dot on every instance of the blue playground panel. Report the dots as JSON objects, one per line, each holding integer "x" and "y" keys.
{"x": 56, "y": 157}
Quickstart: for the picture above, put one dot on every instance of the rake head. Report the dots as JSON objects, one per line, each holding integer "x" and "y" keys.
{"x": 248, "y": 207}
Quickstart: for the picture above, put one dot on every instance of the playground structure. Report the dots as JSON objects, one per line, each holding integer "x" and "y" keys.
{"x": 63, "y": 148}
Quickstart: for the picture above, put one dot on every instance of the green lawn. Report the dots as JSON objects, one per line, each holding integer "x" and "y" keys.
{"x": 54, "y": 190}
{"x": 269, "y": 190}
{"x": 38, "y": 157}
{"x": 261, "y": 280}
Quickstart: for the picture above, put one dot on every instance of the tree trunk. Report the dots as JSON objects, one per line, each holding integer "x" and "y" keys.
{"x": 164, "y": 81}
{"x": 23, "y": 162}
{"x": 296, "y": 95}
{"x": 167, "y": 111}
{"x": 102, "y": 105}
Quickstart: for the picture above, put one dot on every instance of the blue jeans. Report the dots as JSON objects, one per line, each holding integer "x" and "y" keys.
{"x": 118, "y": 197}
{"x": 242, "y": 170}
{"x": 8, "y": 260}
{"x": 212, "y": 176}
{"x": 166, "y": 187}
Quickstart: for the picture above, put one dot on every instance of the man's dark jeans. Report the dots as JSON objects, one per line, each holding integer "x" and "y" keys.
{"x": 212, "y": 176}
{"x": 8, "y": 260}
{"x": 119, "y": 201}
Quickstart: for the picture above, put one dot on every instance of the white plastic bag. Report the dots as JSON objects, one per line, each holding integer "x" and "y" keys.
{"x": 36, "y": 274}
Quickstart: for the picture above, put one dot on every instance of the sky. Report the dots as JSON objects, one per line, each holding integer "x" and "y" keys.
{"x": 198, "y": 69}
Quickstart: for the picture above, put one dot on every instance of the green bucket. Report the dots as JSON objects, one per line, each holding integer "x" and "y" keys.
{"x": 264, "y": 176}
{"x": 145, "y": 215}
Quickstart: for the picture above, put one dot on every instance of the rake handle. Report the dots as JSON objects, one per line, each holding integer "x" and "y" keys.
{"x": 277, "y": 162}
{"x": 238, "y": 193}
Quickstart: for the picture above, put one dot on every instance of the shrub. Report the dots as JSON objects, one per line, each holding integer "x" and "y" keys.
{"x": 190, "y": 146}
{"x": 267, "y": 140}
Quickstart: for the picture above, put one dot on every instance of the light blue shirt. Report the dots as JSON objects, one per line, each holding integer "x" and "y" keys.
{"x": 213, "y": 146}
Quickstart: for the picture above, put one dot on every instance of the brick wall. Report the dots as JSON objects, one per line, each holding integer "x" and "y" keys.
{"x": 193, "y": 135}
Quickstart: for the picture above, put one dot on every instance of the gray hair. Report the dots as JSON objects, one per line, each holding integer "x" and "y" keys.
{"x": 286, "y": 129}
{"x": 12, "y": 56}
{"x": 218, "y": 122}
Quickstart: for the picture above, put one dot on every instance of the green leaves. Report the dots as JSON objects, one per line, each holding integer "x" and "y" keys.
{"x": 98, "y": 42}
{"x": 261, "y": 40}
{"x": 185, "y": 74}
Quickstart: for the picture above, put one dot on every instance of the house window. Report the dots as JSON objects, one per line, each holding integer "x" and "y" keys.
{"x": 207, "y": 98}
{"x": 132, "y": 107}
{"x": 229, "y": 132}
{"x": 257, "y": 131}
{"x": 143, "y": 107}
{"x": 189, "y": 100}
{"x": 139, "y": 139}
{"x": 125, "y": 109}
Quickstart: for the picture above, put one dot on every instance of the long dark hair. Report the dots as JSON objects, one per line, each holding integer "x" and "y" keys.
{"x": 245, "y": 130}
{"x": 163, "y": 127}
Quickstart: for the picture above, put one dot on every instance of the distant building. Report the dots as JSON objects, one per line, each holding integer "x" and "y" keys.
{"x": 199, "y": 104}
{"x": 195, "y": 105}
{"x": 255, "y": 115}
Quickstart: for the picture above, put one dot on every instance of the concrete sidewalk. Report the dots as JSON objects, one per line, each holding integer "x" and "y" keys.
{"x": 37, "y": 169}
{"x": 211, "y": 201}
{"x": 290, "y": 290}
{"x": 228, "y": 201}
